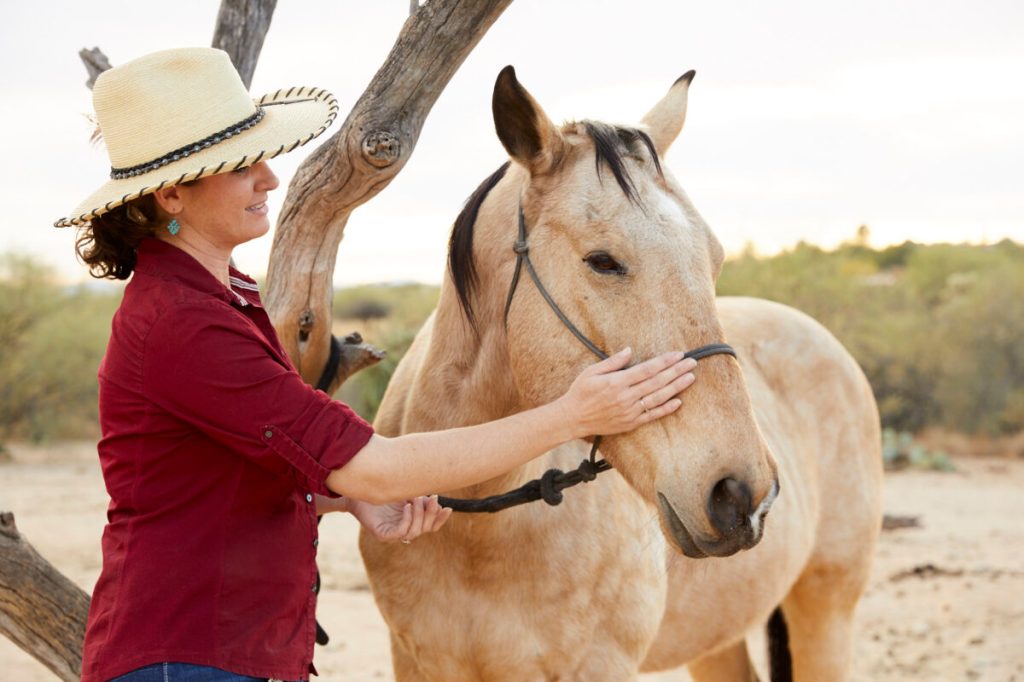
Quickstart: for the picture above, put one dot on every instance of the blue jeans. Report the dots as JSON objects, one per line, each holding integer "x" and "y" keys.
{"x": 183, "y": 672}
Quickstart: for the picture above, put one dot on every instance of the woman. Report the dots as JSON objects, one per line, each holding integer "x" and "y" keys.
{"x": 216, "y": 455}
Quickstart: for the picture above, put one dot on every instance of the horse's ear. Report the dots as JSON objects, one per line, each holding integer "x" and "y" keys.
{"x": 524, "y": 129}
{"x": 666, "y": 119}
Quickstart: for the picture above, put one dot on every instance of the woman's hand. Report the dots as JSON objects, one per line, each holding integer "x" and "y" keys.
{"x": 403, "y": 521}
{"x": 607, "y": 399}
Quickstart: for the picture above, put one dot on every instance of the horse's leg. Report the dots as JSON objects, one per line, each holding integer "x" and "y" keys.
{"x": 819, "y": 617}
{"x": 731, "y": 664}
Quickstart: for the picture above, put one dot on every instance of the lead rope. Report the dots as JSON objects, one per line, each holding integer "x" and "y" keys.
{"x": 324, "y": 383}
{"x": 549, "y": 487}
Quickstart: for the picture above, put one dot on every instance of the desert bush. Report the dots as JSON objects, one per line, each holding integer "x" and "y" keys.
{"x": 936, "y": 328}
{"x": 406, "y": 304}
{"x": 53, "y": 338}
{"x": 364, "y": 310}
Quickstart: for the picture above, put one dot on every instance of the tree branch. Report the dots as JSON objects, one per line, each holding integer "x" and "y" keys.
{"x": 95, "y": 63}
{"x": 241, "y": 28}
{"x": 41, "y": 611}
{"x": 361, "y": 159}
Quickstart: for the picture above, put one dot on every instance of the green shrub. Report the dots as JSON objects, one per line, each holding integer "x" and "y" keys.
{"x": 53, "y": 339}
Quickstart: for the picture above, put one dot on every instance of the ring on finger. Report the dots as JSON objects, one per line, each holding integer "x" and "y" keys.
{"x": 406, "y": 541}
{"x": 643, "y": 405}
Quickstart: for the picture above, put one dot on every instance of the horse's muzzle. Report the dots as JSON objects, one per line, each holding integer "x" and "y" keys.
{"x": 738, "y": 526}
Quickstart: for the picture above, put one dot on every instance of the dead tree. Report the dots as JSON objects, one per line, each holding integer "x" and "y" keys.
{"x": 40, "y": 609}
{"x": 360, "y": 160}
{"x": 241, "y": 27}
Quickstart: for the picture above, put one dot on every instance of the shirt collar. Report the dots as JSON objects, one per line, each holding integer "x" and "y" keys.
{"x": 160, "y": 259}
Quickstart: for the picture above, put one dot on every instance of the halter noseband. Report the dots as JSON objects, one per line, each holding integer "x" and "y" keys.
{"x": 549, "y": 486}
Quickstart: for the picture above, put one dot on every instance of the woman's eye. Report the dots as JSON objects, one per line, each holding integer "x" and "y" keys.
{"x": 603, "y": 263}
{"x": 241, "y": 171}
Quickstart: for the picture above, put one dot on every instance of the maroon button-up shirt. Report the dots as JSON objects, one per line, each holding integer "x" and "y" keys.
{"x": 212, "y": 449}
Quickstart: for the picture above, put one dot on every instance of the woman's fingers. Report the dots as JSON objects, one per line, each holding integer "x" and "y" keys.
{"x": 406, "y": 523}
{"x": 416, "y": 527}
{"x": 665, "y": 377}
{"x": 442, "y": 517}
{"x": 436, "y": 515}
{"x": 612, "y": 363}
{"x": 653, "y": 396}
{"x": 603, "y": 400}
{"x": 426, "y": 515}
{"x": 653, "y": 367}
{"x": 430, "y": 511}
{"x": 660, "y": 411}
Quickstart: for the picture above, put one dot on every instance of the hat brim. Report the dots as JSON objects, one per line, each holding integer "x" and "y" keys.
{"x": 292, "y": 118}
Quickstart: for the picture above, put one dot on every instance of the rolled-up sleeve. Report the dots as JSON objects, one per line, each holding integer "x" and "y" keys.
{"x": 209, "y": 366}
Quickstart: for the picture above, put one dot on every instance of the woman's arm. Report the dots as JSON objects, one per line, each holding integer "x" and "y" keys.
{"x": 601, "y": 400}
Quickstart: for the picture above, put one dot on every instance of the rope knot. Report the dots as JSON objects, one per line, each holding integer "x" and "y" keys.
{"x": 521, "y": 247}
{"x": 588, "y": 470}
{"x": 548, "y": 492}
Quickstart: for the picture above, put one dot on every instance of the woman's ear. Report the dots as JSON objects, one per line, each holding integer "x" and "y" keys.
{"x": 169, "y": 199}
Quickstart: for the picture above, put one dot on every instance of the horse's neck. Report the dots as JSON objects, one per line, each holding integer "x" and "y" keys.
{"x": 465, "y": 379}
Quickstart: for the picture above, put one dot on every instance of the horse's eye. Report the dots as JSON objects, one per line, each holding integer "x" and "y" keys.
{"x": 602, "y": 263}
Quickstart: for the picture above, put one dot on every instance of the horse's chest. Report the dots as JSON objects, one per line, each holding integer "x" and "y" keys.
{"x": 546, "y": 616}
{"x": 496, "y": 637}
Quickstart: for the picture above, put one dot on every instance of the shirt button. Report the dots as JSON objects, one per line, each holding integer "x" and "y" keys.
{"x": 316, "y": 541}
{"x": 268, "y": 434}
{"x": 309, "y": 498}
{"x": 312, "y": 587}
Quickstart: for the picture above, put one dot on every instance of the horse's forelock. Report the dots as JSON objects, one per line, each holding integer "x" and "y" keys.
{"x": 460, "y": 247}
{"x": 610, "y": 143}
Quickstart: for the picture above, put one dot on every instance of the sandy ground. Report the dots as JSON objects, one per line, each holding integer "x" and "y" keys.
{"x": 946, "y": 600}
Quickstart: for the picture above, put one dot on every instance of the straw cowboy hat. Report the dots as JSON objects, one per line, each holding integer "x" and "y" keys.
{"x": 180, "y": 115}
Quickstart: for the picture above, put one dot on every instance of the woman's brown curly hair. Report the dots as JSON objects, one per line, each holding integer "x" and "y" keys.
{"x": 108, "y": 244}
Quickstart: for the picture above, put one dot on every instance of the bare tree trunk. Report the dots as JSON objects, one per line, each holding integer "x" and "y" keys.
{"x": 241, "y": 27}
{"x": 41, "y": 611}
{"x": 360, "y": 160}
{"x": 95, "y": 63}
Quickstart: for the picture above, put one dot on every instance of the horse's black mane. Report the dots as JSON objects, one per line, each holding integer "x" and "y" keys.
{"x": 611, "y": 145}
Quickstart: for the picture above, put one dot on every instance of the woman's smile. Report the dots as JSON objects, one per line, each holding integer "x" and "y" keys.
{"x": 259, "y": 209}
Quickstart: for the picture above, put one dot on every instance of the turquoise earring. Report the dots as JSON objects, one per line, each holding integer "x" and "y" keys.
{"x": 173, "y": 226}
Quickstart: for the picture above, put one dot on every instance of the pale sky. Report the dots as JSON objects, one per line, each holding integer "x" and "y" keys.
{"x": 806, "y": 118}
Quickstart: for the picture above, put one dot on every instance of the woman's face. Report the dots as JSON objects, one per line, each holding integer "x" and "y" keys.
{"x": 228, "y": 209}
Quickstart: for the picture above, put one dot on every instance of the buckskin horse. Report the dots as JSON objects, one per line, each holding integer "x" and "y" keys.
{"x": 667, "y": 559}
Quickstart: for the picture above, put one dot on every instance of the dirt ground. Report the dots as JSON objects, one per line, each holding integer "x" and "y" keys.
{"x": 946, "y": 599}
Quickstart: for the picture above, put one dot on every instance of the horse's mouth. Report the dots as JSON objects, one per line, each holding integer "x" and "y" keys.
{"x": 699, "y": 549}
{"x": 679, "y": 532}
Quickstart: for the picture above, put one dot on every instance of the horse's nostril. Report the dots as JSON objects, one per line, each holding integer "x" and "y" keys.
{"x": 729, "y": 506}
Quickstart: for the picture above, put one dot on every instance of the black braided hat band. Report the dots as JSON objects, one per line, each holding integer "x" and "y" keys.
{"x": 191, "y": 148}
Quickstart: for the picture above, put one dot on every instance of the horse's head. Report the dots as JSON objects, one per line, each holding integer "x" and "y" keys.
{"x": 625, "y": 255}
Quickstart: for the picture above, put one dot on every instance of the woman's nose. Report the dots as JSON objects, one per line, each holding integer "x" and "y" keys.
{"x": 267, "y": 180}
